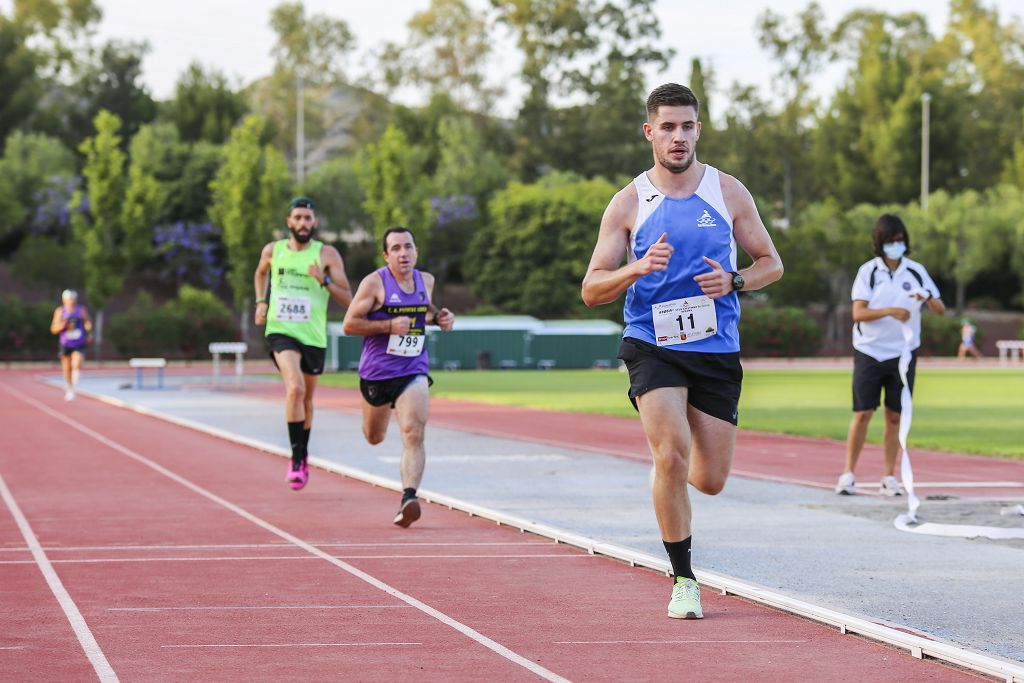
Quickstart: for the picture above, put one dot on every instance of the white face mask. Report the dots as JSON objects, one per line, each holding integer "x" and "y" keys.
{"x": 894, "y": 250}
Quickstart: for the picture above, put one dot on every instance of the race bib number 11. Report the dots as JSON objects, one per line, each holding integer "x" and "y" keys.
{"x": 682, "y": 321}
{"x": 408, "y": 345}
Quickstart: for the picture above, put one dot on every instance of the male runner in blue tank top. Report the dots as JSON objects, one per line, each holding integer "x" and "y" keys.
{"x": 679, "y": 224}
{"x": 391, "y": 310}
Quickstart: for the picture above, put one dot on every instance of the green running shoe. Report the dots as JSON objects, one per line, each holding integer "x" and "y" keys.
{"x": 685, "y": 602}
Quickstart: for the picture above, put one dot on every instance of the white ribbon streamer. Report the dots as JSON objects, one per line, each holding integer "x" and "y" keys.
{"x": 908, "y": 520}
{"x": 907, "y": 407}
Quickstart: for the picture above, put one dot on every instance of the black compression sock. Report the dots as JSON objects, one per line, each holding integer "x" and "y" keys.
{"x": 679, "y": 556}
{"x": 408, "y": 493}
{"x": 305, "y": 438}
{"x": 295, "y": 430}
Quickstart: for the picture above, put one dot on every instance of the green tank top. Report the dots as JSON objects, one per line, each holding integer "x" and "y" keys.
{"x": 298, "y": 304}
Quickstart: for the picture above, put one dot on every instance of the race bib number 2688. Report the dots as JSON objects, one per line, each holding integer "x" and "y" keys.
{"x": 293, "y": 309}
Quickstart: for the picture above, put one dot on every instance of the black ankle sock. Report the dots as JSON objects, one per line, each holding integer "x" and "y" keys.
{"x": 408, "y": 493}
{"x": 295, "y": 430}
{"x": 679, "y": 556}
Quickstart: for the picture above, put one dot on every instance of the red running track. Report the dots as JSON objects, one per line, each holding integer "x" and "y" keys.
{"x": 786, "y": 459}
{"x": 189, "y": 558}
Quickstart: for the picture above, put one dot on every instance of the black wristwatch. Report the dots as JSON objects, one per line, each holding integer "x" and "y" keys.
{"x": 737, "y": 281}
{"x": 327, "y": 281}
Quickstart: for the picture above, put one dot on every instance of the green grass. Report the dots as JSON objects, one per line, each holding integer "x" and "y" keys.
{"x": 972, "y": 411}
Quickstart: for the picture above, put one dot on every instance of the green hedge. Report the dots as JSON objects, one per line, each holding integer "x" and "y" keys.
{"x": 181, "y": 328}
{"x": 772, "y": 332}
{"x": 25, "y": 330}
{"x": 940, "y": 335}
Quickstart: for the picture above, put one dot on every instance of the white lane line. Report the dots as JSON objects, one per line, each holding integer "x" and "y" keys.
{"x": 218, "y": 608}
{"x": 118, "y": 560}
{"x": 469, "y": 632}
{"x": 666, "y": 642}
{"x": 288, "y": 645}
{"x": 13, "y": 647}
{"x": 486, "y": 459}
{"x": 956, "y": 485}
{"x": 275, "y": 558}
{"x": 256, "y": 546}
{"x": 92, "y": 649}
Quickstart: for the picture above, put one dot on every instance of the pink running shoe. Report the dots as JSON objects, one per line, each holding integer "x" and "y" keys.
{"x": 298, "y": 475}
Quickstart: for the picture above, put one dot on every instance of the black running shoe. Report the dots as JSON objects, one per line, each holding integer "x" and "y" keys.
{"x": 408, "y": 513}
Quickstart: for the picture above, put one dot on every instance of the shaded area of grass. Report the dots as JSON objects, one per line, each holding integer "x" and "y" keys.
{"x": 972, "y": 411}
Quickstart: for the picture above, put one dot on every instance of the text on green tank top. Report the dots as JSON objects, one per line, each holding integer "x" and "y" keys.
{"x": 298, "y": 304}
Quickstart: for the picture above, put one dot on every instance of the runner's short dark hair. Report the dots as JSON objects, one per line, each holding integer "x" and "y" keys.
{"x": 671, "y": 95}
{"x": 889, "y": 228}
{"x": 392, "y": 231}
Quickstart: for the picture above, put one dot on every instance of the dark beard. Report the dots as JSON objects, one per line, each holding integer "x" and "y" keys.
{"x": 677, "y": 168}
{"x": 301, "y": 239}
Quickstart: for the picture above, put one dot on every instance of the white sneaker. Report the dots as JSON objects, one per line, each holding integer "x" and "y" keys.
{"x": 891, "y": 486}
{"x": 69, "y": 395}
{"x": 845, "y": 484}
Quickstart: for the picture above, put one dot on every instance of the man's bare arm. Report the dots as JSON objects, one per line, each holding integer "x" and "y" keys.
{"x": 369, "y": 297}
{"x": 260, "y": 281}
{"x": 443, "y": 318}
{"x": 606, "y": 278}
{"x": 752, "y": 237}
{"x": 339, "y": 288}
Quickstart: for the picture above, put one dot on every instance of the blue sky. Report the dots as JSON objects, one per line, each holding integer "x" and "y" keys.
{"x": 234, "y": 36}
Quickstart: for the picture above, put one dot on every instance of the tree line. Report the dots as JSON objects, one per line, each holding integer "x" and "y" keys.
{"x": 101, "y": 185}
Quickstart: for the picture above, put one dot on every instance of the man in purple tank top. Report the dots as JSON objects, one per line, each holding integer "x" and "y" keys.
{"x": 71, "y": 321}
{"x": 391, "y": 310}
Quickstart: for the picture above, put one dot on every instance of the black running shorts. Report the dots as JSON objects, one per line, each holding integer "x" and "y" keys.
{"x": 713, "y": 380}
{"x": 312, "y": 357}
{"x": 870, "y": 375}
{"x": 380, "y": 392}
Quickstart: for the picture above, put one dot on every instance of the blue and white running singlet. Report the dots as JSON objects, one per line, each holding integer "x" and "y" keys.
{"x": 667, "y": 308}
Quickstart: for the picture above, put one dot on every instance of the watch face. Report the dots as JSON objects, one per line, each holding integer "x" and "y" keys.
{"x": 737, "y": 282}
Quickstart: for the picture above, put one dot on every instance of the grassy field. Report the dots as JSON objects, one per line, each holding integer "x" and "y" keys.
{"x": 973, "y": 411}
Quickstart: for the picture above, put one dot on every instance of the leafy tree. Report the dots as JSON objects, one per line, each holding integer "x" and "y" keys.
{"x": 309, "y": 52}
{"x": 249, "y": 193}
{"x": 100, "y": 233}
{"x": 339, "y": 195}
{"x": 116, "y": 233}
{"x": 392, "y": 184}
{"x": 31, "y": 162}
{"x": 204, "y": 105}
{"x": 549, "y": 34}
{"x": 59, "y": 29}
{"x": 447, "y": 52}
{"x": 113, "y": 83}
{"x": 18, "y": 65}
{"x": 985, "y": 73}
{"x": 189, "y": 195}
{"x": 530, "y": 256}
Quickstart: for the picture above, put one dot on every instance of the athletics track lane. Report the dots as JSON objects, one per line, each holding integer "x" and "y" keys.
{"x": 174, "y": 585}
{"x": 759, "y": 455}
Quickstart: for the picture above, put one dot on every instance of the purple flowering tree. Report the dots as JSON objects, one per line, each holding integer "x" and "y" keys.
{"x": 189, "y": 253}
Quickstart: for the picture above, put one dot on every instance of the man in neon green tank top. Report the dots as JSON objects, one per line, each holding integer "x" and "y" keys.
{"x": 303, "y": 274}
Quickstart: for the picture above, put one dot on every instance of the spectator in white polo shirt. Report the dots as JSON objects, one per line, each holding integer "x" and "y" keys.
{"x": 884, "y": 294}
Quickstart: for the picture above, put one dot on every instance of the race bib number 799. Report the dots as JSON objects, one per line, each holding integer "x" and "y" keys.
{"x": 408, "y": 345}
{"x": 682, "y": 321}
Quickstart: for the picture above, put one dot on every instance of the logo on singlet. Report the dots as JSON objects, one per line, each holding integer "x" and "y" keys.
{"x": 652, "y": 198}
{"x": 706, "y": 220}
{"x": 395, "y": 298}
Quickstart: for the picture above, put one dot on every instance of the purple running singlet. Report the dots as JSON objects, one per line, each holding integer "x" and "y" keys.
{"x": 386, "y": 356}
